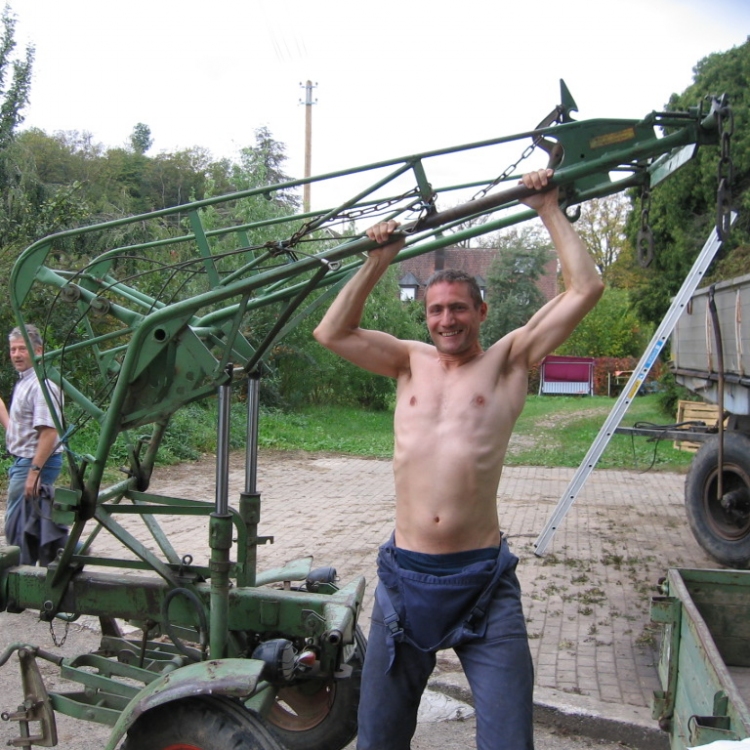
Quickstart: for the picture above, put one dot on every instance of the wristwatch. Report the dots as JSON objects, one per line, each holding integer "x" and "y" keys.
{"x": 34, "y": 467}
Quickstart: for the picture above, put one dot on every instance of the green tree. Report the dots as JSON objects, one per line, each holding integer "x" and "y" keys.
{"x": 602, "y": 228}
{"x": 512, "y": 294}
{"x": 174, "y": 178}
{"x": 18, "y": 188}
{"x": 140, "y": 139}
{"x": 611, "y": 329}
{"x": 62, "y": 158}
{"x": 15, "y": 79}
{"x": 262, "y": 165}
{"x": 28, "y": 210}
{"x": 683, "y": 208}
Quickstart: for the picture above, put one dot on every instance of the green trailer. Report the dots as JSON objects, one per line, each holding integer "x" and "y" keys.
{"x": 704, "y": 660}
{"x": 145, "y": 315}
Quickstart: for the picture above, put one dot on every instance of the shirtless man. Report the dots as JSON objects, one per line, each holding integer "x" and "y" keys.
{"x": 447, "y": 577}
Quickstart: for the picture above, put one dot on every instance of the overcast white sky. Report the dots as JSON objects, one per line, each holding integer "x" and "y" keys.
{"x": 394, "y": 77}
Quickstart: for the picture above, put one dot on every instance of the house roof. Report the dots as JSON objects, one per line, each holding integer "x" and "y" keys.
{"x": 409, "y": 279}
{"x": 472, "y": 260}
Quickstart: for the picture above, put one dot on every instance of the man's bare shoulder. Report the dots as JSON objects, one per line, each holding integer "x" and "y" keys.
{"x": 417, "y": 356}
{"x": 500, "y": 353}
{"x": 501, "y": 362}
{"x": 418, "y": 350}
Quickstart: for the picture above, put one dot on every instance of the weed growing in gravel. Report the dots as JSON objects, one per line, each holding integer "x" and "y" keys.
{"x": 647, "y": 638}
{"x": 593, "y": 595}
{"x": 609, "y": 558}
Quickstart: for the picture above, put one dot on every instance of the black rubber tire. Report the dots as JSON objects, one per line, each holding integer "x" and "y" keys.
{"x": 321, "y": 714}
{"x": 202, "y": 723}
{"x": 721, "y": 528}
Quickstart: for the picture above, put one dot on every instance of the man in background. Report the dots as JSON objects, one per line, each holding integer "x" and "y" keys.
{"x": 31, "y": 438}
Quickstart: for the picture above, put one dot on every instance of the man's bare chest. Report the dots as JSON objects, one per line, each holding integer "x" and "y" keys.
{"x": 433, "y": 395}
{"x": 439, "y": 403}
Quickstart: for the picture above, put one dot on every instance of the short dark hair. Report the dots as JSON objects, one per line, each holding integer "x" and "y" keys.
{"x": 32, "y": 332}
{"x": 454, "y": 276}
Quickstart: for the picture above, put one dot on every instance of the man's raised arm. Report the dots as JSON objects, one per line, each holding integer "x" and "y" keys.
{"x": 339, "y": 329}
{"x": 552, "y": 324}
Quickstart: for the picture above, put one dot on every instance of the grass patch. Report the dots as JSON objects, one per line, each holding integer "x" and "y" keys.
{"x": 559, "y": 431}
{"x": 330, "y": 429}
{"x": 551, "y": 431}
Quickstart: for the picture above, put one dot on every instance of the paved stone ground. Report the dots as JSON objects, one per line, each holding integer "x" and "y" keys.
{"x": 586, "y": 600}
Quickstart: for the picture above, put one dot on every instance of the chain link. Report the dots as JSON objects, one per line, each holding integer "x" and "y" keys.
{"x": 59, "y": 642}
{"x": 510, "y": 169}
{"x": 645, "y": 236}
{"x": 276, "y": 248}
{"x": 725, "y": 118}
{"x": 377, "y": 208}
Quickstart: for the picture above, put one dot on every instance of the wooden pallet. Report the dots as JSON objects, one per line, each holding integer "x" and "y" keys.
{"x": 695, "y": 411}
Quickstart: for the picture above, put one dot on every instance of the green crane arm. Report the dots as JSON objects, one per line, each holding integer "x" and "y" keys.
{"x": 153, "y": 308}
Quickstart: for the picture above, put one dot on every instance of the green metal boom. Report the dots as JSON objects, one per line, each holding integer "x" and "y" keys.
{"x": 166, "y": 308}
{"x": 162, "y": 318}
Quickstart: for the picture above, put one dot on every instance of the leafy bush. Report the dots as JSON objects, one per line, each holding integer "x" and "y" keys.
{"x": 512, "y": 292}
{"x": 607, "y": 368}
{"x": 671, "y": 393}
{"x": 534, "y": 376}
{"x": 611, "y": 329}
{"x": 313, "y": 375}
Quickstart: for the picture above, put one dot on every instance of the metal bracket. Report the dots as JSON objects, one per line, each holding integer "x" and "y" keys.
{"x": 36, "y": 706}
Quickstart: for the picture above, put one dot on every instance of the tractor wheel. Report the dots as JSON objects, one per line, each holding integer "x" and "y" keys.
{"x": 204, "y": 723}
{"x": 321, "y": 714}
{"x": 721, "y": 525}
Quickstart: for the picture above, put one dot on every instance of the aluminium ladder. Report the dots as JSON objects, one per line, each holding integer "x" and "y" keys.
{"x": 713, "y": 243}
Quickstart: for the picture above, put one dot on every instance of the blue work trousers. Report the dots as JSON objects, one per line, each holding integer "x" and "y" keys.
{"x": 497, "y": 665}
{"x": 18, "y": 472}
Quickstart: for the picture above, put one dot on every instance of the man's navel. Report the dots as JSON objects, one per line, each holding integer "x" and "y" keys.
{"x": 413, "y": 401}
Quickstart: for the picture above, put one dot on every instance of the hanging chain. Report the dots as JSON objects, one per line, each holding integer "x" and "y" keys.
{"x": 725, "y": 118}
{"x": 59, "y": 642}
{"x": 645, "y": 237}
{"x": 377, "y": 208}
{"x": 278, "y": 248}
{"x": 510, "y": 169}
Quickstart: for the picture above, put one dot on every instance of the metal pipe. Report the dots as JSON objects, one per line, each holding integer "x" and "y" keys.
{"x": 222, "y": 444}
{"x": 251, "y": 440}
{"x": 250, "y": 500}
{"x": 220, "y": 528}
{"x": 720, "y": 389}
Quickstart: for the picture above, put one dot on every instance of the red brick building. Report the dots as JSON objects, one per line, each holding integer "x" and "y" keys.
{"x": 414, "y": 272}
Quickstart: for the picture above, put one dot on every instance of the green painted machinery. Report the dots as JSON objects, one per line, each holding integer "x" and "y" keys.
{"x": 183, "y": 304}
{"x": 704, "y": 660}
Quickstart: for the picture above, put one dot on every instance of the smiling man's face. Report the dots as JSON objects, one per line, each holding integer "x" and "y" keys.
{"x": 453, "y": 318}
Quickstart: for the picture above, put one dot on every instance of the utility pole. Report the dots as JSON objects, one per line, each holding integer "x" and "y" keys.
{"x": 308, "y": 141}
